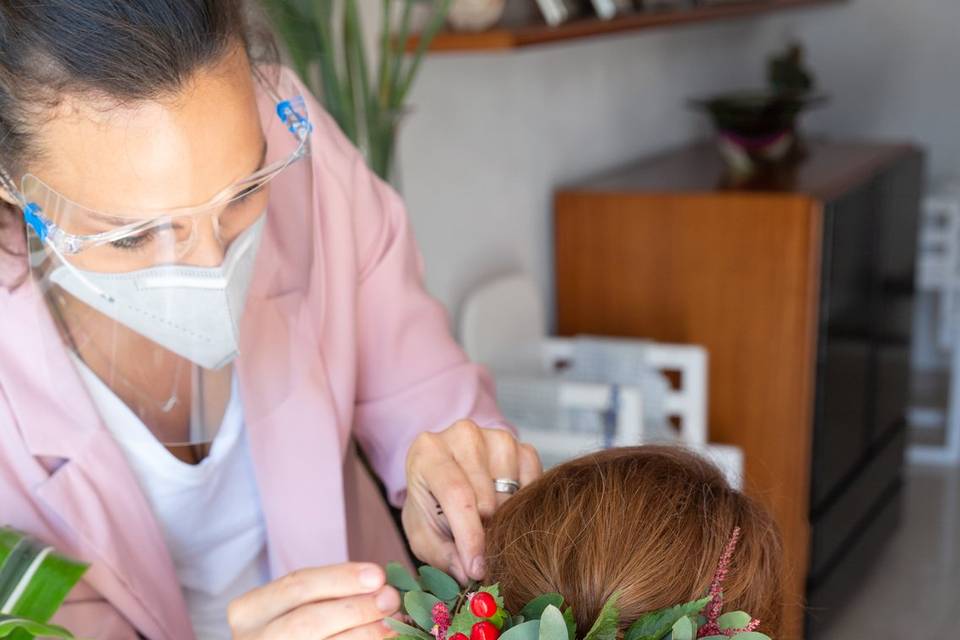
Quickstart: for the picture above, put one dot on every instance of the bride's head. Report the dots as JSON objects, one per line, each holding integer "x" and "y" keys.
{"x": 648, "y": 522}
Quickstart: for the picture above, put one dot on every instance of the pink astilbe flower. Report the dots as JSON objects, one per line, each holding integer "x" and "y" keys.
{"x": 715, "y": 607}
{"x": 754, "y": 623}
{"x": 441, "y": 619}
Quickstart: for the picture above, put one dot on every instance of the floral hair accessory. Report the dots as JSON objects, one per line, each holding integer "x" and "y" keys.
{"x": 440, "y": 610}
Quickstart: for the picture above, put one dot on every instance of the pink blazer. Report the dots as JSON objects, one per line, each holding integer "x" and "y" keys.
{"x": 339, "y": 339}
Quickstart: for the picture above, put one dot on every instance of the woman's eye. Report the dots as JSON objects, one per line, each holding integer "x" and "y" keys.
{"x": 132, "y": 243}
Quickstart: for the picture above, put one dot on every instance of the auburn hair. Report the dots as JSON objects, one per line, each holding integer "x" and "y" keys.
{"x": 649, "y": 523}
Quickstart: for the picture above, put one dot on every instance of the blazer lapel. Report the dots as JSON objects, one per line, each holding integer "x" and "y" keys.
{"x": 113, "y": 528}
{"x": 295, "y": 439}
{"x": 99, "y": 510}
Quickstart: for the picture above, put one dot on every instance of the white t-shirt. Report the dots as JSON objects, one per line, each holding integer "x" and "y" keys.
{"x": 209, "y": 513}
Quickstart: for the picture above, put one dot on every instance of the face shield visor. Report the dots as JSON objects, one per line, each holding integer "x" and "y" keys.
{"x": 149, "y": 302}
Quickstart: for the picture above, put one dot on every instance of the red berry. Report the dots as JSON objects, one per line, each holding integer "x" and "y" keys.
{"x": 459, "y": 636}
{"x": 483, "y": 605}
{"x": 484, "y": 630}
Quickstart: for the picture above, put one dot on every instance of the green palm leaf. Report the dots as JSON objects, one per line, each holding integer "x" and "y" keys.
{"x": 331, "y": 60}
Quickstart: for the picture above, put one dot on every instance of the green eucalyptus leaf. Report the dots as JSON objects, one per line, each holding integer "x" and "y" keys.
{"x": 12, "y": 624}
{"x": 406, "y": 630}
{"x": 571, "y": 623}
{"x": 607, "y": 623}
{"x": 656, "y": 624}
{"x": 751, "y": 635}
{"x": 684, "y": 629}
{"x": 419, "y": 606}
{"x": 552, "y": 624}
{"x": 399, "y": 578}
{"x": 526, "y": 631}
{"x": 535, "y": 607}
{"x": 438, "y": 583}
{"x": 734, "y": 620}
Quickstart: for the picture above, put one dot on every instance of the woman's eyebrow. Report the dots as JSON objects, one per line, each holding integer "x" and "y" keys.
{"x": 120, "y": 222}
{"x": 114, "y": 221}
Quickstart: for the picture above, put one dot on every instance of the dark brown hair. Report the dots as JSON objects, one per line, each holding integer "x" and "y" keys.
{"x": 122, "y": 50}
{"x": 648, "y": 522}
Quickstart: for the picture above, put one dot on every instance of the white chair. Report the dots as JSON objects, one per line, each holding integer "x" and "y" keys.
{"x": 938, "y": 271}
{"x": 938, "y": 259}
{"x": 569, "y": 396}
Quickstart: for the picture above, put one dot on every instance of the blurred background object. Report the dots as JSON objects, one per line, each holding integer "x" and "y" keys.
{"x": 570, "y": 396}
{"x": 475, "y": 15}
{"x": 757, "y": 130}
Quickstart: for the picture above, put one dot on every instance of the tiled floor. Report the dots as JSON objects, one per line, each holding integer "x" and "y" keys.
{"x": 913, "y": 591}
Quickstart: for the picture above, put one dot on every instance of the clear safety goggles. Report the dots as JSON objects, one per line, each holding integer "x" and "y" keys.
{"x": 124, "y": 241}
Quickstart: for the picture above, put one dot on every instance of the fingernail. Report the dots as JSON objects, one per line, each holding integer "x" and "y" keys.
{"x": 371, "y": 577}
{"x": 479, "y": 568}
{"x": 388, "y": 600}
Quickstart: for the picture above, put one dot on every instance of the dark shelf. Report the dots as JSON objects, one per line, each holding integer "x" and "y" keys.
{"x": 535, "y": 31}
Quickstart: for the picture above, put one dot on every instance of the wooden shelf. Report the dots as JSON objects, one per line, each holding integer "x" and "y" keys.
{"x": 536, "y": 32}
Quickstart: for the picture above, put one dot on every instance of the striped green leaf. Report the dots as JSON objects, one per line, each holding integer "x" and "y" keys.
{"x": 34, "y": 582}
{"x": 12, "y": 624}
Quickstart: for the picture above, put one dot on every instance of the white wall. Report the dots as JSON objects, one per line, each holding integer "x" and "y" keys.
{"x": 492, "y": 135}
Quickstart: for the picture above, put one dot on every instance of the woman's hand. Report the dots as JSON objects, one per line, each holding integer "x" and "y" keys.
{"x": 345, "y": 601}
{"x": 455, "y": 469}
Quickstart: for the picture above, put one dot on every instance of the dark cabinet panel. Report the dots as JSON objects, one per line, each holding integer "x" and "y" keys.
{"x": 863, "y": 385}
{"x": 843, "y": 387}
{"x": 837, "y": 528}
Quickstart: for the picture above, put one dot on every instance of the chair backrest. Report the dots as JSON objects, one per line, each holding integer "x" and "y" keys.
{"x": 938, "y": 243}
{"x": 624, "y": 361}
{"x": 502, "y": 320}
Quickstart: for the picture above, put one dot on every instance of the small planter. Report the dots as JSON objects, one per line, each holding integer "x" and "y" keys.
{"x": 757, "y": 130}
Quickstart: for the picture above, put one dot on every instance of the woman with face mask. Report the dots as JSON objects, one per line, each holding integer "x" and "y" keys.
{"x": 205, "y": 299}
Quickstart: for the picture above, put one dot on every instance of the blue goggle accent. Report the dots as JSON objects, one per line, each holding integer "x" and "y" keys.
{"x": 33, "y": 217}
{"x": 289, "y": 113}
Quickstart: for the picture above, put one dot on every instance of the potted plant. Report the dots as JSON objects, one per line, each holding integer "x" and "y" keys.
{"x": 326, "y": 47}
{"x": 757, "y": 129}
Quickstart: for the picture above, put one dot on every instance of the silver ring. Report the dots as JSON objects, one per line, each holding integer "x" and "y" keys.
{"x": 506, "y": 485}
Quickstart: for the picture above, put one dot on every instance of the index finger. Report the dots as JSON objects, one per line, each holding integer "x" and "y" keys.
{"x": 260, "y": 606}
{"x": 453, "y": 490}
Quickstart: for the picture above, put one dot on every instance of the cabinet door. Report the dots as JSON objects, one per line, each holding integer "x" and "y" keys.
{"x": 899, "y": 214}
{"x": 844, "y": 349}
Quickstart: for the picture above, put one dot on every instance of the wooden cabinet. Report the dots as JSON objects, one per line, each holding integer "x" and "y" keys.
{"x": 801, "y": 289}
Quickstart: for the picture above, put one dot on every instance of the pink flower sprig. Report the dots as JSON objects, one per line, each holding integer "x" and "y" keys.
{"x": 441, "y": 619}
{"x": 715, "y": 608}
{"x": 754, "y": 623}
